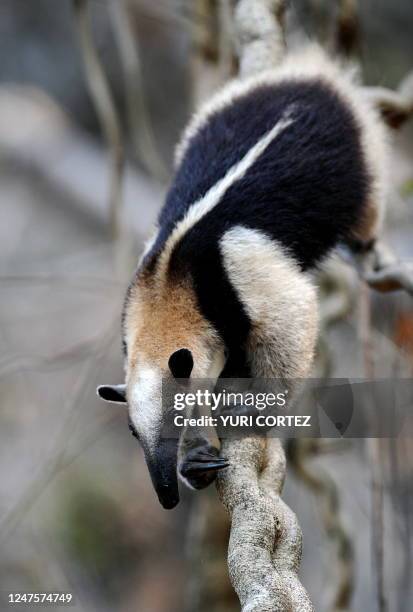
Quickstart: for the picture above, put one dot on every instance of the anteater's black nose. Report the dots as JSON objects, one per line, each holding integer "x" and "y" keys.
{"x": 167, "y": 498}
{"x": 162, "y": 464}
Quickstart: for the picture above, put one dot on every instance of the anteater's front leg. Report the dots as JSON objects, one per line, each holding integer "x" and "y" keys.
{"x": 200, "y": 460}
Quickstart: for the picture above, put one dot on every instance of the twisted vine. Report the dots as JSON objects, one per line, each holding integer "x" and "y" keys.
{"x": 265, "y": 544}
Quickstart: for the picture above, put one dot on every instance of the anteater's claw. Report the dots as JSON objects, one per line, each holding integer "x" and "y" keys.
{"x": 200, "y": 466}
{"x": 205, "y": 466}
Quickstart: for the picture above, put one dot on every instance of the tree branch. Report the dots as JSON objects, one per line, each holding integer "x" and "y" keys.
{"x": 105, "y": 109}
{"x": 347, "y": 30}
{"x": 259, "y": 34}
{"x": 265, "y": 543}
{"x": 140, "y": 124}
{"x": 324, "y": 487}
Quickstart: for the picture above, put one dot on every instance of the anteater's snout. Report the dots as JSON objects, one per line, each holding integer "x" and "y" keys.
{"x": 162, "y": 465}
{"x": 167, "y": 497}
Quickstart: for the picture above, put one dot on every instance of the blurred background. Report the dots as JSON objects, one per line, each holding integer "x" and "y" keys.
{"x": 77, "y": 510}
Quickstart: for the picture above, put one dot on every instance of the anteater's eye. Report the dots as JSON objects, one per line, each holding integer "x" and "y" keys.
{"x": 132, "y": 428}
{"x": 181, "y": 363}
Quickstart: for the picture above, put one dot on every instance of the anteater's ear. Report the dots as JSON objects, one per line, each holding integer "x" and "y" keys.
{"x": 112, "y": 393}
{"x": 181, "y": 363}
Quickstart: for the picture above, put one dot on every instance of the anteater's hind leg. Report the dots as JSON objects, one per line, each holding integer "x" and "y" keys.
{"x": 375, "y": 261}
{"x": 383, "y": 271}
{"x": 377, "y": 264}
{"x": 395, "y": 107}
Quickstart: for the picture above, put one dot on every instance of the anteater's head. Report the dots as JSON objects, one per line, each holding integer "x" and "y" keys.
{"x": 165, "y": 337}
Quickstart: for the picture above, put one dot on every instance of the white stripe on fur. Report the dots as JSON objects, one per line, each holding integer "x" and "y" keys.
{"x": 214, "y": 195}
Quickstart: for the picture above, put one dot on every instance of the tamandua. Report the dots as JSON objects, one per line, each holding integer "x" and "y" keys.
{"x": 272, "y": 174}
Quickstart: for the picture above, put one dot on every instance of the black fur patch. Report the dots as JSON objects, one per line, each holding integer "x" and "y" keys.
{"x": 307, "y": 190}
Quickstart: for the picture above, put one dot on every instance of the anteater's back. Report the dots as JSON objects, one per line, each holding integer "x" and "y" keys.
{"x": 288, "y": 153}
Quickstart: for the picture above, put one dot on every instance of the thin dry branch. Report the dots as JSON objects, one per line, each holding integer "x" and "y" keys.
{"x": 328, "y": 499}
{"x": 336, "y": 302}
{"x": 55, "y": 460}
{"x": 138, "y": 116}
{"x": 347, "y": 30}
{"x": 105, "y": 109}
{"x": 374, "y": 454}
{"x": 226, "y": 51}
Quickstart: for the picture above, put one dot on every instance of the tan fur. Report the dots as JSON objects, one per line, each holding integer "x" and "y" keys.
{"x": 163, "y": 317}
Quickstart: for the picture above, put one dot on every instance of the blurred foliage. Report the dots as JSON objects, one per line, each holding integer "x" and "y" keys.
{"x": 92, "y": 529}
{"x": 407, "y": 189}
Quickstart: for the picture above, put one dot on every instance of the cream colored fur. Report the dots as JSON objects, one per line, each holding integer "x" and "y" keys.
{"x": 279, "y": 299}
{"x": 144, "y": 394}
